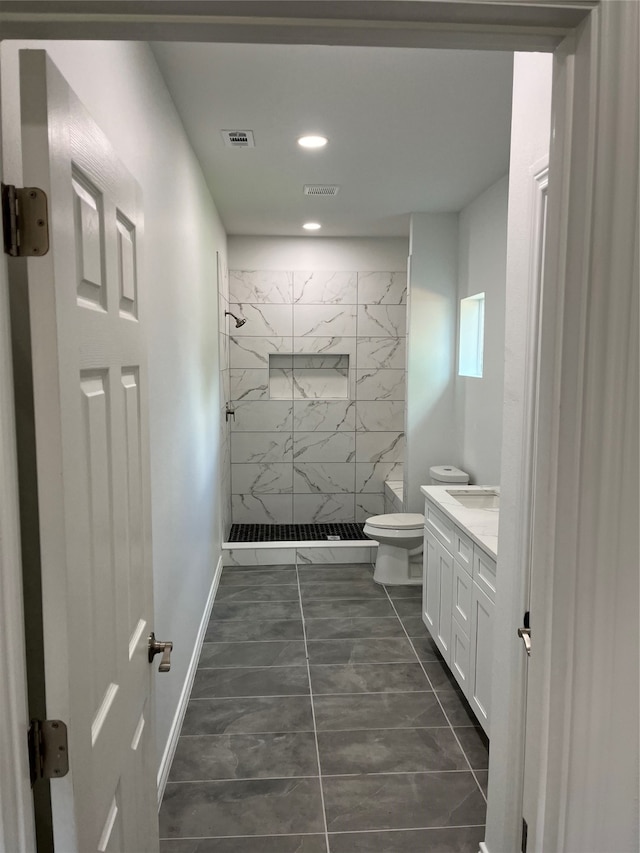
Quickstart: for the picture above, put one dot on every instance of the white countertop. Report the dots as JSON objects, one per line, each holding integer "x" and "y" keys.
{"x": 480, "y": 524}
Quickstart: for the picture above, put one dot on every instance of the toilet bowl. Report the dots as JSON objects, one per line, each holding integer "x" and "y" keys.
{"x": 398, "y": 534}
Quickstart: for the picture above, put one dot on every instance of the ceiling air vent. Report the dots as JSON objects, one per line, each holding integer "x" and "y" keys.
{"x": 321, "y": 189}
{"x": 238, "y": 138}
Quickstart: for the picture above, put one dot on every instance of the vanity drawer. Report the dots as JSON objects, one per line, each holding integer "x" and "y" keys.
{"x": 436, "y": 522}
{"x": 484, "y": 572}
{"x": 463, "y": 549}
{"x": 461, "y": 597}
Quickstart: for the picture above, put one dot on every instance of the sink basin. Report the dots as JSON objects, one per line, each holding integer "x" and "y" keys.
{"x": 476, "y": 499}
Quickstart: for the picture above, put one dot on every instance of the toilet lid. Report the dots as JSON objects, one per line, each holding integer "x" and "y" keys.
{"x": 397, "y": 520}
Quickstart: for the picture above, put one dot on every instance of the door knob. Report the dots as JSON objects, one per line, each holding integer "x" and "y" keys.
{"x": 525, "y": 634}
{"x": 157, "y": 647}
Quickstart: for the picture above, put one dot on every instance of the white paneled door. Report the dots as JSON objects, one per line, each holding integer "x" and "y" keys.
{"x": 88, "y": 356}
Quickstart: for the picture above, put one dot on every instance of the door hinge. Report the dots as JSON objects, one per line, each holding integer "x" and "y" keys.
{"x": 525, "y": 832}
{"x": 25, "y": 221}
{"x": 48, "y": 750}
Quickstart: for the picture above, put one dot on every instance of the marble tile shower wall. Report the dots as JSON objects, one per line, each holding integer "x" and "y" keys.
{"x": 299, "y": 456}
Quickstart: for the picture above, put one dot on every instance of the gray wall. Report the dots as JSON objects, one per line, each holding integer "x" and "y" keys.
{"x": 431, "y": 436}
{"x": 314, "y": 439}
{"x": 121, "y": 86}
{"x": 482, "y": 259}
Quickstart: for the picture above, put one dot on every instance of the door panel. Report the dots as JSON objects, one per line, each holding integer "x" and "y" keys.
{"x": 92, "y": 457}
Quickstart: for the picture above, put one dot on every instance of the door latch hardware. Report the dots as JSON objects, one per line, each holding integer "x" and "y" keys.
{"x": 48, "y": 750}
{"x": 229, "y": 412}
{"x": 25, "y": 221}
{"x": 525, "y": 634}
{"x": 157, "y": 647}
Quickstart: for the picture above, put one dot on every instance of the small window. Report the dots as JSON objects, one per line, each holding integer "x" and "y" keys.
{"x": 471, "y": 341}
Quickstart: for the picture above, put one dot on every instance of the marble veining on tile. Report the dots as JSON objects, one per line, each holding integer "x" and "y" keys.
{"x": 371, "y": 476}
{"x": 260, "y": 478}
{"x": 249, "y": 383}
{"x": 382, "y": 384}
{"x": 263, "y": 319}
{"x": 320, "y": 383}
{"x": 379, "y": 447}
{"x": 262, "y": 509}
{"x": 324, "y": 320}
{"x": 260, "y": 286}
{"x": 323, "y": 477}
{"x": 381, "y": 352}
{"x": 324, "y": 415}
{"x": 321, "y": 509}
{"x": 325, "y": 288}
{"x": 382, "y": 320}
{"x": 262, "y": 416}
{"x": 262, "y": 447}
{"x": 324, "y": 447}
{"x": 377, "y": 288}
{"x": 368, "y": 505}
{"x": 254, "y": 350}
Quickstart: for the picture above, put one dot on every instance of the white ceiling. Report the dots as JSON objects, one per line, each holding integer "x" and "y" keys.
{"x": 409, "y": 130}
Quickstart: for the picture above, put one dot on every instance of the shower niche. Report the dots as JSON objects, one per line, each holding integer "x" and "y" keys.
{"x": 313, "y": 376}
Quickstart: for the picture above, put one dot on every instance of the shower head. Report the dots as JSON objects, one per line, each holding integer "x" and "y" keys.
{"x": 240, "y": 321}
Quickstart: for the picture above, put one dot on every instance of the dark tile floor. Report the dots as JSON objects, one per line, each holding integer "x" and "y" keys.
{"x": 322, "y": 720}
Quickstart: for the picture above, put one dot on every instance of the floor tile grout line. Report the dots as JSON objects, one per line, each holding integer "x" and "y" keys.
{"x": 291, "y": 695}
{"x": 439, "y": 702}
{"x": 313, "y": 717}
{"x": 326, "y": 640}
{"x": 357, "y": 774}
{"x": 319, "y": 663}
{"x": 331, "y": 731}
{"x": 340, "y": 832}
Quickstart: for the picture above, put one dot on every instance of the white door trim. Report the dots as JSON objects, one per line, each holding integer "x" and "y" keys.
{"x": 580, "y": 156}
{"x": 585, "y": 579}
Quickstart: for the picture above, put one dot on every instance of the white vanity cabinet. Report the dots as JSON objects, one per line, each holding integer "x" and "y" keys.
{"x": 459, "y": 585}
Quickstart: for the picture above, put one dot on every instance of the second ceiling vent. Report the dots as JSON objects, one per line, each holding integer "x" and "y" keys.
{"x": 321, "y": 189}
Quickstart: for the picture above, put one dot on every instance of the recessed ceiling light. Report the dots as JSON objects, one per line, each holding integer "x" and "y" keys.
{"x": 312, "y": 141}
{"x": 312, "y": 226}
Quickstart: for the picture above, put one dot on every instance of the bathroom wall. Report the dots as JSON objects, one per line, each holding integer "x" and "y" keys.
{"x": 482, "y": 259}
{"x": 317, "y": 376}
{"x": 431, "y": 433}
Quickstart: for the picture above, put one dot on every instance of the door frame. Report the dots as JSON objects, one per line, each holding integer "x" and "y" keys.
{"x": 573, "y": 30}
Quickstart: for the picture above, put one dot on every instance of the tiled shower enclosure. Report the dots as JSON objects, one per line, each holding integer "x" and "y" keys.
{"x": 317, "y": 384}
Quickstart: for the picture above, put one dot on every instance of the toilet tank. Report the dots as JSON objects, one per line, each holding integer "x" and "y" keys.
{"x": 443, "y": 475}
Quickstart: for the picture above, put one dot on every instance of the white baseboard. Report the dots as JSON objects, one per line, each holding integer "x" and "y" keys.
{"x": 484, "y": 848}
{"x": 176, "y": 725}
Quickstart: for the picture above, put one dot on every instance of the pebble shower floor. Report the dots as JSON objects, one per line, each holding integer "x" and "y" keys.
{"x": 322, "y": 720}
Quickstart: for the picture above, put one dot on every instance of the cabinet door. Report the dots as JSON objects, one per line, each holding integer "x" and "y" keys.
{"x": 437, "y": 592}
{"x": 461, "y": 599}
{"x": 460, "y": 655}
{"x": 430, "y": 584}
{"x": 445, "y": 577}
{"x": 479, "y": 696}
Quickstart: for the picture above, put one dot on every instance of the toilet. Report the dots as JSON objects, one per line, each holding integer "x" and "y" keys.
{"x": 400, "y": 534}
